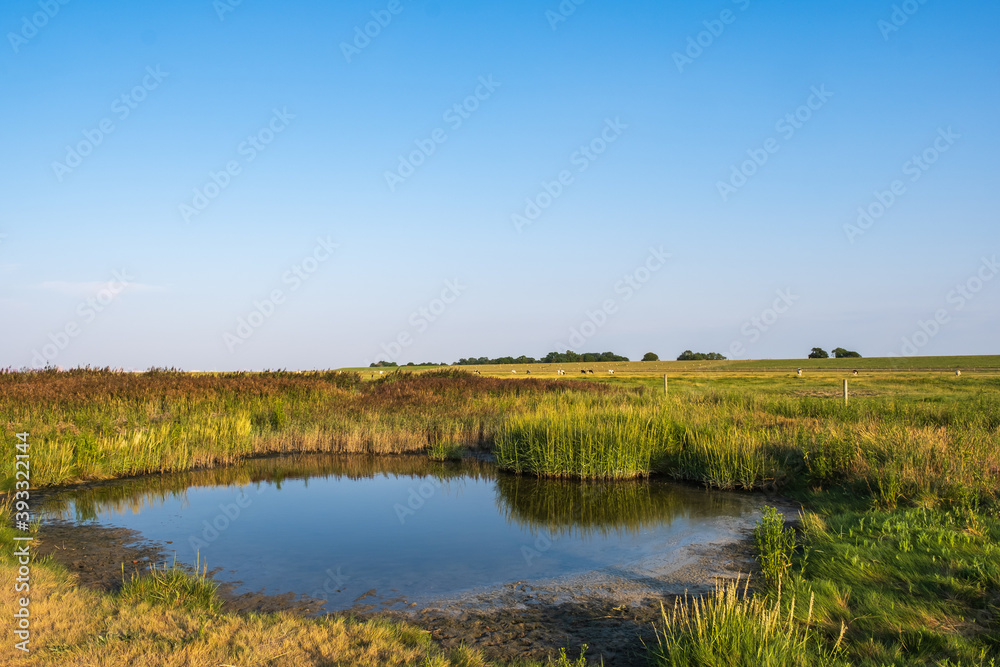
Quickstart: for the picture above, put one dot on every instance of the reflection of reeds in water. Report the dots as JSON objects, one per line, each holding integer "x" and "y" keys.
{"x": 135, "y": 495}
{"x": 568, "y": 507}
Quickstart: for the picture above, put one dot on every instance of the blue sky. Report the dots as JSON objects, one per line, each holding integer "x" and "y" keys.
{"x": 124, "y": 120}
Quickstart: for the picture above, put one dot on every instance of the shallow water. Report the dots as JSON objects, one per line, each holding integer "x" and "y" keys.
{"x": 395, "y": 531}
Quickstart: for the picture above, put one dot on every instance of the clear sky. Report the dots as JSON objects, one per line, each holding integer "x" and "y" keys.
{"x": 261, "y": 184}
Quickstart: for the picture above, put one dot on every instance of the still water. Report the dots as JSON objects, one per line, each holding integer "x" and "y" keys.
{"x": 403, "y": 530}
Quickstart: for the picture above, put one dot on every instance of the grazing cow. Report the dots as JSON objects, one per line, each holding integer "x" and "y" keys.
{"x": 528, "y": 372}
{"x": 583, "y": 371}
{"x": 958, "y": 373}
{"x": 855, "y": 372}
{"x": 611, "y": 371}
{"x": 590, "y": 370}
{"x": 799, "y": 371}
{"x": 514, "y": 372}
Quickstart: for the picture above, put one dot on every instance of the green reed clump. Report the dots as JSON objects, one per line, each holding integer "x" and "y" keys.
{"x": 442, "y": 451}
{"x": 775, "y": 546}
{"x": 732, "y": 628}
{"x": 615, "y": 438}
{"x": 173, "y": 587}
{"x": 571, "y": 439}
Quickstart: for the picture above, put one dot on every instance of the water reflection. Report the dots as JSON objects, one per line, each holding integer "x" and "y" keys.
{"x": 567, "y": 507}
{"x": 134, "y": 495}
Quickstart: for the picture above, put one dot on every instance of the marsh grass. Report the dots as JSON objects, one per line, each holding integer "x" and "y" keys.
{"x": 775, "y": 546}
{"x": 572, "y": 439}
{"x": 917, "y": 585}
{"x": 734, "y": 628}
{"x": 441, "y": 451}
{"x": 889, "y": 448}
{"x": 172, "y": 586}
{"x": 88, "y": 424}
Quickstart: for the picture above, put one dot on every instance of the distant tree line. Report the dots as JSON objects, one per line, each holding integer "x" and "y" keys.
{"x": 838, "y": 352}
{"x": 551, "y": 358}
{"x": 688, "y": 355}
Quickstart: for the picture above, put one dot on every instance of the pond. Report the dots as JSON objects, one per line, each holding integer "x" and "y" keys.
{"x": 398, "y": 532}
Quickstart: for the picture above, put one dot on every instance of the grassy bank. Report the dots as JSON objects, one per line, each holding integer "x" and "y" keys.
{"x": 941, "y": 446}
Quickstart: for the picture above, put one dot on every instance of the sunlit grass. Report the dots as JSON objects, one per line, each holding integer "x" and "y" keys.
{"x": 171, "y": 586}
{"x": 733, "y": 628}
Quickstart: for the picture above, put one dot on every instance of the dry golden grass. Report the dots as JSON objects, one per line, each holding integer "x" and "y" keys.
{"x": 71, "y": 625}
